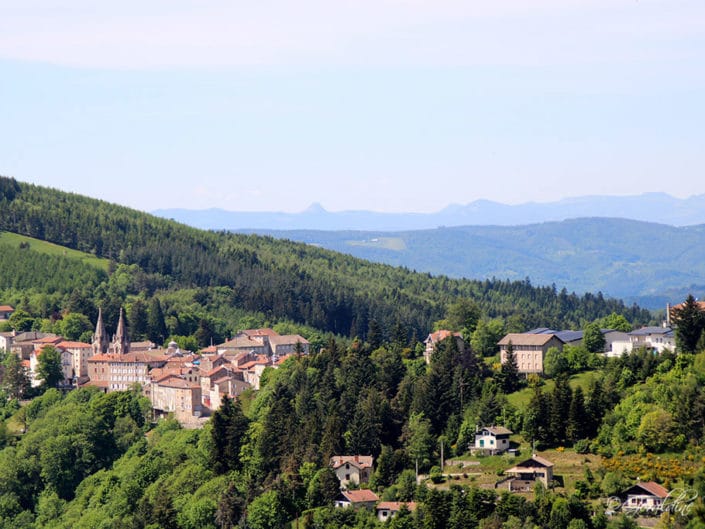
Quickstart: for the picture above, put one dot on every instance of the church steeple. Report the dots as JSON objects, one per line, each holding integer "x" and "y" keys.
{"x": 100, "y": 338}
{"x": 121, "y": 343}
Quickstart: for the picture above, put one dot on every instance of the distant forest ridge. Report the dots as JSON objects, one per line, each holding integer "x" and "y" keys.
{"x": 648, "y": 207}
{"x": 646, "y": 263}
{"x": 283, "y": 280}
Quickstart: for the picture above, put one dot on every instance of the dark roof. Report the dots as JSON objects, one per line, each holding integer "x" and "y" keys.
{"x": 644, "y": 331}
{"x": 564, "y": 336}
{"x": 498, "y": 430}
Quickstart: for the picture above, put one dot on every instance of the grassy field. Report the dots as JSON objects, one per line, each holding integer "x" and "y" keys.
{"x": 385, "y": 243}
{"x": 520, "y": 399}
{"x": 486, "y": 471}
{"x": 12, "y": 239}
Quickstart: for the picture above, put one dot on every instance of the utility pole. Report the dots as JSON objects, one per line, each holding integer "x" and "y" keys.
{"x": 442, "y": 460}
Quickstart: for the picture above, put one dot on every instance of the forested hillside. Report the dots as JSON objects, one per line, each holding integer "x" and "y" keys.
{"x": 280, "y": 280}
{"x": 648, "y": 263}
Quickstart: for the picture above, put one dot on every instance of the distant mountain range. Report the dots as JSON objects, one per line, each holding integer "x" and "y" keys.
{"x": 649, "y": 207}
{"x": 585, "y": 244}
{"x": 645, "y": 263}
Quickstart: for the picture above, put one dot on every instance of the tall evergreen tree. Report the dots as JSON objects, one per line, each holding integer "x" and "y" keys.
{"x": 15, "y": 381}
{"x": 689, "y": 320}
{"x": 509, "y": 373}
{"x": 575, "y": 429}
{"x": 156, "y": 328}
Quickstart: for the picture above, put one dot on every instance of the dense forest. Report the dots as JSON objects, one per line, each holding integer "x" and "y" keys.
{"x": 279, "y": 280}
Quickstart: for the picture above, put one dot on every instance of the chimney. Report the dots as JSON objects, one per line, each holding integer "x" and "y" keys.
{"x": 357, "y": 458}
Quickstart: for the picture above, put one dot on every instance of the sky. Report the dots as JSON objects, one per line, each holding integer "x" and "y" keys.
{"x": 385, "y": 105}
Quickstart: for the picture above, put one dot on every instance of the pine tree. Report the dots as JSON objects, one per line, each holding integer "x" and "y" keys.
{"x": 575, "y": 429}
{"x": 15, "y": 381}
{"x": 509, "y": 373}
{"x": 156, "y": 328}
{"x": 558, "y": 410}
{"x": 689, "y": 320}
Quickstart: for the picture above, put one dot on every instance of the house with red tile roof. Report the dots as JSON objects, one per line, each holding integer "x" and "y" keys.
{"x": 357, "y": 499}
{"x": 388, "y": 509}
{"x": 433, "y": 339}
{"x": 644, "y": 496}
{"x": 6, "y": 311}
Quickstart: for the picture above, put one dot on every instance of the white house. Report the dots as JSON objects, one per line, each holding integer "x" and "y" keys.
{"x": 656, "y": 338}
{"x": 352, "y": 469}
{"x": 492, "y": 440}
{"x": 388, "y": 509}
{"x": 644, "y": 496}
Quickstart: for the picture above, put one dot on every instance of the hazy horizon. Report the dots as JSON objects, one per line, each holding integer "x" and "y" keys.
{"x": 384, "y": 106}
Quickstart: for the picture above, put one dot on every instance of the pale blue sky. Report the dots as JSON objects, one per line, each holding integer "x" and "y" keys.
{"x": 389, "y": 105}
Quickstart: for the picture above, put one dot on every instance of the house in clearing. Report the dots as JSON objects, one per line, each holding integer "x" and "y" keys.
{"x": 644, "y": 496}
{"x": 529, "y": 350}
{"x": 523, "y": 476}
{"x": 352, "y": 469}
{"x": 492, "y": 440}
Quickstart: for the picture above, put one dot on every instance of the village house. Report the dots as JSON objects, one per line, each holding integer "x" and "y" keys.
{"x": 492, "y": 440}
{"x": 66, "y": 365}
{"x": 357, "y": 499}
{"x": 6, "y": 339}
{"x": 656, "y": 339}
{"x": 221, "y": 381}
{"x": 288, "y": 344}
{"x": 433, "y": 339}
{"x": 352, "y": 469}
{"x": 529, "y": 350}
{"x": 388, "y": 509}
{"x": 24, "y": 343}
{"x": 173, "y": 394}
{"x": 80, "y": 353}
{"x": 523, "y": 476}
{"x": 6, "y": 311}
{"x": 243, "y": 344}
{"x": 644, "y": 496}
{"x": 614, "y": 342}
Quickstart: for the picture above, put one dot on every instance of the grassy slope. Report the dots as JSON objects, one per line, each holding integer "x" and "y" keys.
{"x": 13, "y": 239}
{"x": 520, "y": 399}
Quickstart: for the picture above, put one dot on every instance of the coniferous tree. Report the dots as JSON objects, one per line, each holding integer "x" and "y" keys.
{"x": 509, "y": 373}
{"x": 689, "y": 320}
{"x": 156, "y": 328}
{"x": 559, "y": 407}
{"x": 575, "y": 429}
{"x": 138, "y": 320}
{"x": 15, "y": 380}
{"x": 229, "y": 428}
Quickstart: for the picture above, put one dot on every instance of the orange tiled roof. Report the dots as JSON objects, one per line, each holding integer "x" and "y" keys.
{"x": 362, "y": 495}
{"x": 74, "y": 345}
{"x": 6, "y": 308}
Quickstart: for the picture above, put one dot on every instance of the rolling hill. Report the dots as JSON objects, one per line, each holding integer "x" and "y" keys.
{"x": 642, "y": 262}
{"x": 281, "y": 280}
